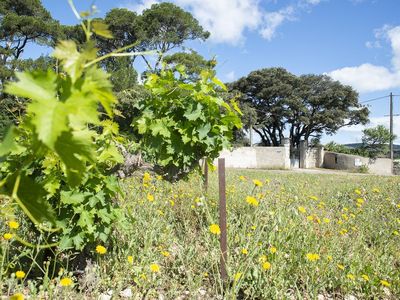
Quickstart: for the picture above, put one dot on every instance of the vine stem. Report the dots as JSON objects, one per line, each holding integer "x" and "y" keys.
{"x": 26, "y": 211}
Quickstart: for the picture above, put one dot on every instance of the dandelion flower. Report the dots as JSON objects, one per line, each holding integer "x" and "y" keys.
{"x": 130, "y": 259}
{"x": 252, "y": 201}
{"x": 302, "y": 209}
{"x": 357, "y": 191}
{"x": 245, "y": 251}
{"x": 66, "y": 281}
{"x": 365, "y": 277}
{"x": 7, "y": 236}
{"x": 242, "y": 178}
{"x": 237, "y": 276}
{"x": 13, "y": 224}
{"x": 351, "y": 276}
{"x": 385, "y": 283}
{"x": 150, "y": 197}
{"x": 375, "y": 190}
{"x": 165, "y": 253}
{"x": 17, "y": 296}
{"x": 257, "y": 182}
{"x": 315, "y": 198}
{"x": 326, "y": 220}
{"x": 154, "y": 268}
{"x": 214, "y": 229}
{"x": 101, "y": 249}
{"x": 272, "y": 249}
{"x": 360, "y": 200}
{"x": 312, "y": 256}
{"x": 20, "y": 274}
{"x": 266, "y": 265}
{"x": 341, "y": 267}
{"x": 310, "y": 218}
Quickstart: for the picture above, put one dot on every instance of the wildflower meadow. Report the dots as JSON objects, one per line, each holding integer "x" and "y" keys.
{"x": 290, "y": 236}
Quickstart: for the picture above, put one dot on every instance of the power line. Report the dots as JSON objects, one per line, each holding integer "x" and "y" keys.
{"x": 375, "y": 99}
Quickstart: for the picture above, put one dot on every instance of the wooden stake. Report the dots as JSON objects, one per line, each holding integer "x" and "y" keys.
{"x": 222, "y": 217}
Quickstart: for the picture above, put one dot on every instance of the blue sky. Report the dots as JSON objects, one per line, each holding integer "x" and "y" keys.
{"x": 354, "y": 41}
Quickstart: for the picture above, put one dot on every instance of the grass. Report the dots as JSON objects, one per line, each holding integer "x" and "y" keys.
{"x": 301, "y": 236}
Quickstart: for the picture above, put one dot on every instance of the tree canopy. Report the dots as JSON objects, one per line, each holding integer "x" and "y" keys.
{"x": 375, "y": 141}
{"x": 299, "y": 107}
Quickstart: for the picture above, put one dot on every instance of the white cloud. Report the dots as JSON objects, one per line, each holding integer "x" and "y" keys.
{"x": 374, "y": 121}
{"x": 370, "y": 78}
{"x": 225, "y": 19}
{"x": 228, "y": 20}
{"x": 140, "y": 7}
{"x": 273, "y": 20}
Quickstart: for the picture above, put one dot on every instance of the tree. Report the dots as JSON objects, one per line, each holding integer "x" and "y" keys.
{"x": 167, "y": 26}
{"x": 23, "y": 22}
{"x": 193, "y": 62}
{"x": 376, "y": 141}
{"x": 301, "y": 107}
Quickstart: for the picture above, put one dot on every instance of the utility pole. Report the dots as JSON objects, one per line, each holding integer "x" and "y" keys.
{"x": 391, "y": 126}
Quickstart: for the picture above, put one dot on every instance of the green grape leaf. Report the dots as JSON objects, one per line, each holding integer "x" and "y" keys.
{"x": 74, "y": 151}
{"x": 98, "y": 86}
{"x": 101, "y": 29}
{"x": 203, "y": 131}
{"x": 194, "y": 112}
{"x": 9, "y": 144}
{"x": 219, "y": 83}
{"x": 159, "y": 128}
{"x": 39, "y": 86}
{"x": 31, "y": 199}
{"x": 50, "y": 120}
{"x": 72, "y": 60}
{"x": 72, "y": 197}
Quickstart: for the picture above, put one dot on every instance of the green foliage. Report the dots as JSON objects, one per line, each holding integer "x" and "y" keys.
{"x": 375, "y": 141}
{"x": 56, "y": 164}
{"x": 182, "y": 122}
{"x": 305, "y": 106}
{"x": 194, "y": 63}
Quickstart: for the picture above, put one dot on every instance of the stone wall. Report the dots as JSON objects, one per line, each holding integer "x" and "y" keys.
{"x": 257, "y": 157}
{"x": 396, "y": 167}
{"x": 311, "y": 157}
{"x": 340, "y": 161}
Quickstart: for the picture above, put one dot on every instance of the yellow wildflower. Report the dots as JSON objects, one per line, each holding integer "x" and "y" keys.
{"x": 360, "y": 200}
{"x": 257, "y": 182}
{"x": 310, "y": 218}
{"x": 214, "y": 229}
{"x": 385, "y": 283}
{"x": 66, "y": 281}
{"x": 237, "y": 276}
{"x": 375, "y": 190}
{"x": 329, "y": 257}
{"x": 343, "y": 231}
{"x": 365, "y": 277}
{"x": 312, "y": 256}
{"x": 357, "y": 191}
{"x": 395, "y": 232}
{"x": 351, "y": 276}
{"x": 242, "y": 178}
{"x": 315, "y": 198}
{"x": 172, "y": 202}
{"x": 13, "y": 224}
{"x": 7, "y": 236}
{"x": 262, "y": 259}
{"x": 150, "y": 197}
{"x": 245, "y": 251}
{"x": 302, "y": 209}
{"x": 101, "y": 249}
{"x": 252, "y": 201}
{"x": 326, "y": 220}
{"x": 266, "y": 265}
{"x": 165, "y": 253}
{"x": 20, "y": 274}
{"x": 272, "y": 249}
{"x": 17, "y": 296}
{"x": 130, "y": 259}
{"x": 341, "y": 267}
{"x": 146, "y": 177}
{"x": 154, "y": 268}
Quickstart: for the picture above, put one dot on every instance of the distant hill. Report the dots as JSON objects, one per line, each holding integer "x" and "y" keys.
{"x": 358, "y": 145}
